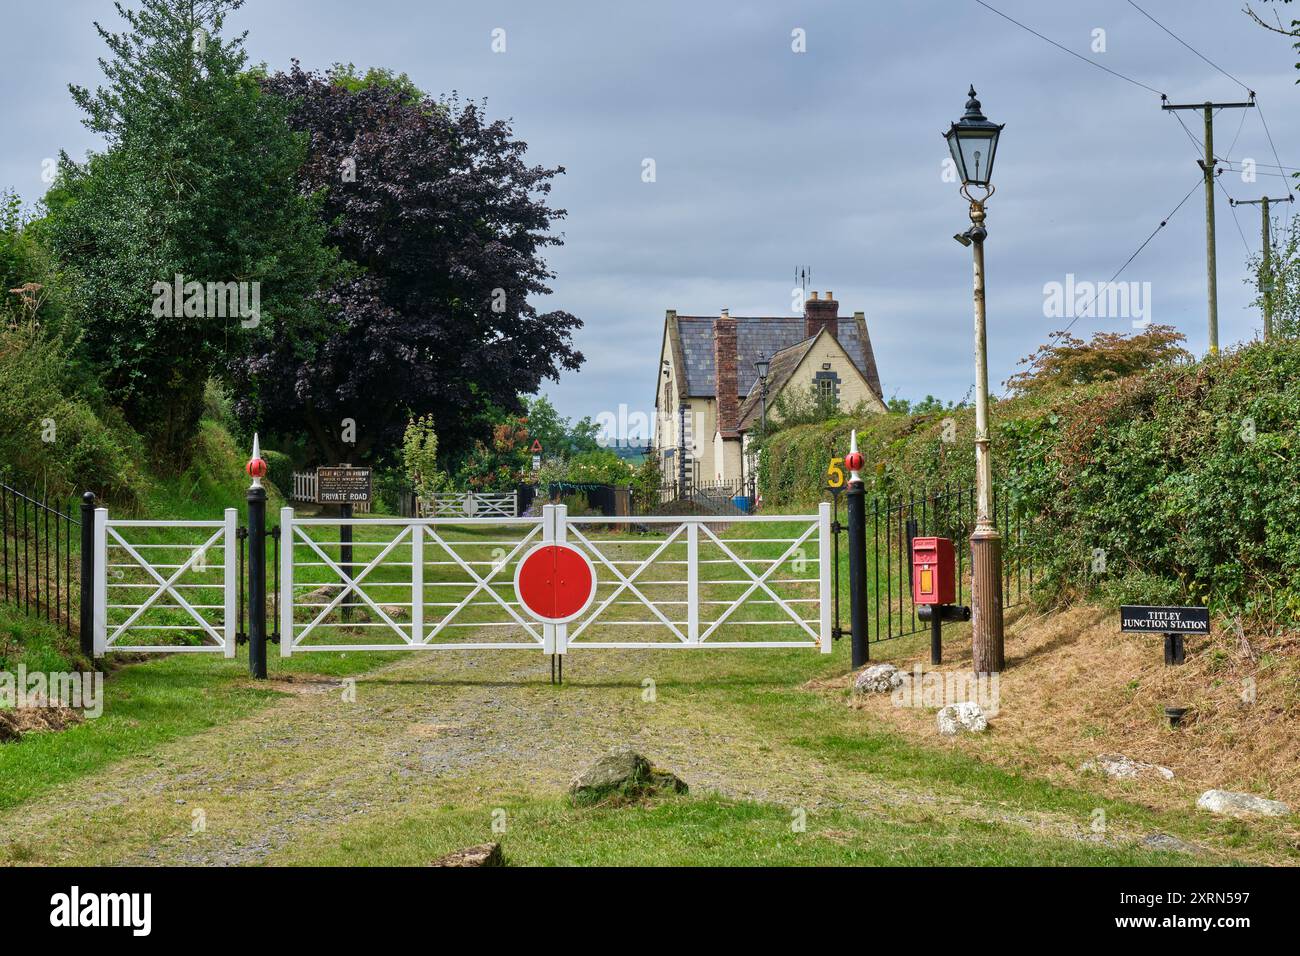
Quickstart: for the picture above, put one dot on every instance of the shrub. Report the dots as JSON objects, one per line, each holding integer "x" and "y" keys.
{"x": 279, "y": 471}
{"x": 51, "y": 438}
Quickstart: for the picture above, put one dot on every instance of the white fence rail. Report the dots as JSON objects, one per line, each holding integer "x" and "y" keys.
{"x": 165, "y": 586}
{"x": 760, "y": 581}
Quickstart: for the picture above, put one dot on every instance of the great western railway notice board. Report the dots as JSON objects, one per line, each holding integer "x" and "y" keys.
{"x": 343, "y": 485}
{"x": 1144, "y": 619}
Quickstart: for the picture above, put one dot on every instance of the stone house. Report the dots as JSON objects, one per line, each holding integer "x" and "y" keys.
{"x": 709, "y": 395}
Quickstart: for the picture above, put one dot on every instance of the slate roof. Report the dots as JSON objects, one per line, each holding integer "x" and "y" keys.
{"x": 761, "y": 334}
{"x": 783, "y": 365}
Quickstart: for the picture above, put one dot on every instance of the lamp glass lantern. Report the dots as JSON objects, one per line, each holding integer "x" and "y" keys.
{"x": 761, "y": 366}
{"x": 973, "y": 142}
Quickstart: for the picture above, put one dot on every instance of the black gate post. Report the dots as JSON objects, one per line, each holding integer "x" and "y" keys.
{"x": 856, "y": 511}
{"x": 345, "y": 554}
{"x": 256, "y": 565}
{"x": 88, "y": 574}
{"x": 257, "y": 581}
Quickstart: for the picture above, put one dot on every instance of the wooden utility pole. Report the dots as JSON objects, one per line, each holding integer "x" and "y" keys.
{"x": 1207, "y": 166}
{"x": 1266, "y": 266}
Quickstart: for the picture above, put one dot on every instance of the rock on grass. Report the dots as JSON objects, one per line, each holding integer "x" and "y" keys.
{"x": 877, "y": 679}
{"x": 485, "y": 854}
{"x": 1232, "y": 804}
{"x": 1120, "y": 767}
{"x": 967, "y": 716}
{"x": 622, "y": 776}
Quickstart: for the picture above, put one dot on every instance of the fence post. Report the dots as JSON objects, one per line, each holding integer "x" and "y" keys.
{"x": 88, "y": 574}
{"x": 230, "y": 582}
{"x": 286, "y": 582}
{"x": 693, "y": 581}
{"x": 825, "y": 558}
{"x": 855, "y": 508}
{"x": 99, "y": 602}
{"x": 256, "y": 469}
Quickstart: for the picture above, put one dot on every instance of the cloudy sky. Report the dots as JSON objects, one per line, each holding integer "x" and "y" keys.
{"x": 767, "y": 159}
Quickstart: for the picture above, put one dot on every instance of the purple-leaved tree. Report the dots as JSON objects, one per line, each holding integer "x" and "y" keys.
{"x": 445, "y": 225}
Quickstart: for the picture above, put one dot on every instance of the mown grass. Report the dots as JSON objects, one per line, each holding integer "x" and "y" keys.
{"x": 699, "y": 831}
{"x": 145, "y": 706}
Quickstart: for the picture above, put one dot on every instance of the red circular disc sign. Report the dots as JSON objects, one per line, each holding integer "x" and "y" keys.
{"x": 555, "y": 582}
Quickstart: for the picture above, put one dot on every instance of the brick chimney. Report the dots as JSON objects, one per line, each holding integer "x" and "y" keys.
{"x": 726, "y": 383}
{"x": 820, "y": 314}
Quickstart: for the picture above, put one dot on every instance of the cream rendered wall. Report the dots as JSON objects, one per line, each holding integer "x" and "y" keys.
{"x": 853, "y": 386}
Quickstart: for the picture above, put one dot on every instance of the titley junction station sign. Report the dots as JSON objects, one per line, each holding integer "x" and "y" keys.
{"x": 1142, "y": 619}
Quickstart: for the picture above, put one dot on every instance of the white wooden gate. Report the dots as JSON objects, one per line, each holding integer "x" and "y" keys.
{"x": 165, "y": 586}
{"x": 661, "y": 582}
{"x": 470, "y": 504}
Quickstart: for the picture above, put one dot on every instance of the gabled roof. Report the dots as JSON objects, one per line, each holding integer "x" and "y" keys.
{"x": 755, "y": 335}
{"x": 784, "y": 364}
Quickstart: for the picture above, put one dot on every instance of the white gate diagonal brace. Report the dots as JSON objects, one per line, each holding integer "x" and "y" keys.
{"x": 166, "y": 585}
{"x": 482, "y": 583}
{"x": 627, "y": 583}
{"x": 351, "y": 583}
{"x": 760, "y": 581}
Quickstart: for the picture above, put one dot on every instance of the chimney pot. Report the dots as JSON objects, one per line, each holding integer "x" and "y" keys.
{"x": 830, "y": 295}
{"x": 814, "y": 296}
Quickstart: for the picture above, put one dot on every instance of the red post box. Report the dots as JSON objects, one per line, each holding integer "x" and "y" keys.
{"x": 934, "y": 571}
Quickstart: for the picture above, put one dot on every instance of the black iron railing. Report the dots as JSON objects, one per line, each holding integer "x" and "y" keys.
{"x": 947, "y": 512}
{"x": 36, "y": 556}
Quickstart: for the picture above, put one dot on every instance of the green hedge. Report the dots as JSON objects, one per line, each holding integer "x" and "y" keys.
{"x": 1186, "y": 478}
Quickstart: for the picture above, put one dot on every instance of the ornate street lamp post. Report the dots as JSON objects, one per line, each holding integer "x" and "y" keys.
{"x": 973, "y": 141}
{"x": 761, "y": 366}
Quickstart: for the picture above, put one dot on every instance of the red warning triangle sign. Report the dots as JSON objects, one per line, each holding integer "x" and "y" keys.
{"x": 537, "y": 447}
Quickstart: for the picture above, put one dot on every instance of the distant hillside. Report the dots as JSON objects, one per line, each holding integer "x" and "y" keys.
{"x": 1187, "y": 477}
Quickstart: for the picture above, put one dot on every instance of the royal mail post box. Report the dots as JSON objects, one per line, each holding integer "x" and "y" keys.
{"x": 934, "y": 571}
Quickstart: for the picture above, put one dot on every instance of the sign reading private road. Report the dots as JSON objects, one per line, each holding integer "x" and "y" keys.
{"x": 343, "y": 485}
{"x": 1139, "y": 618}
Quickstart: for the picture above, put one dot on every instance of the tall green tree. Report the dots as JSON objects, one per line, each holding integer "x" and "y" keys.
{"x": 198, "y": 180}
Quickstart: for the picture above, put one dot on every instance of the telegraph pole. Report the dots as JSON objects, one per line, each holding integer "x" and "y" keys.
{"x": 1266, "y": 267}
{"x": 1207, "y": 167}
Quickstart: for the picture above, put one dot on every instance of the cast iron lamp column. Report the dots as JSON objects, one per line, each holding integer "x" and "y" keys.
{"x": 973, "y": 142}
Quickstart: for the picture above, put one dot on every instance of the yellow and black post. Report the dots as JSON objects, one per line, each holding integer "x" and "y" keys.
{"x": 856, "y": 508}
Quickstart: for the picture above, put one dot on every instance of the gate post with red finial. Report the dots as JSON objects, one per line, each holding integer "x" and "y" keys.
{"x": 855, "y": 504}
{"x": 256, "y": 469}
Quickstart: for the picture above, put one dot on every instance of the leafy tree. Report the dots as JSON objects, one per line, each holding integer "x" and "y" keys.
{"x": 437, "y": 206}
{"x": 501, "y": 465}
{"x": 1282, "y": 279}
{"x": 559, "y": 436}
{"x": 198, "y": 179}
{"x": 1067, "y": 360}
{"x": 420, "y": 457}
{"x": 925, "y": 406}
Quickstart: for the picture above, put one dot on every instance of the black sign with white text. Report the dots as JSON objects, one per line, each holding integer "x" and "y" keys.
{"x": 1143, "y": 619}
{"x": 342, "y": 486}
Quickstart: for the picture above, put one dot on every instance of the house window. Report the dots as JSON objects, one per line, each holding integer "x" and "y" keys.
{"x": 827, "y": 385}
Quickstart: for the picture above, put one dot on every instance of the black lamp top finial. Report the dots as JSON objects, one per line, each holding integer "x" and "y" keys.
{"x": 973, "y": 111}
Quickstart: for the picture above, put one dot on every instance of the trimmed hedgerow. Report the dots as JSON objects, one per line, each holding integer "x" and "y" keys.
{"x": 1184, "y": 480}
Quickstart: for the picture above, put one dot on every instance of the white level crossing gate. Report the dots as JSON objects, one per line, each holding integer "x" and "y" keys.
{"x": 160, "y": 582}
{"x": 759, "y": 581}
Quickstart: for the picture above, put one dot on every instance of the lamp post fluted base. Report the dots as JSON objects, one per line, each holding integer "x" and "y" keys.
{"x": 986, "y": 601}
